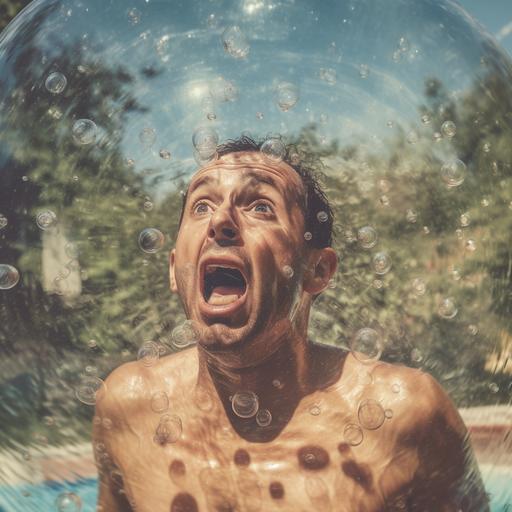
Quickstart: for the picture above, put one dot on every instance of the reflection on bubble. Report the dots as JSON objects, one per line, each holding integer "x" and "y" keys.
{"x": 68, "y": 502}
{"x": 245, "y": 404}
{"x": 151, "y": 240}
{"x": 205, "y": 140}
{"x": 448, "y": 129}
{"x": 147, "y": 136}
{"x": 159, "y": 402}
{"x": 235, "y": 42}
{"x": 353, "y": 434}
{"x": 46, "y": 219}
{"x": 263, "y": 417}
{"x": 367, "y": 237}
{"x": 148, "y": 353}
{"x": 366, "y": 345}
{"x": 273, "y": 149}
{"x": 381, "y": 263}
{"x": 134, "y": 16}
{"x": 169, "y": 430}
{"x": 328, "y": 75}
{"x": 447, "y": 308}
{"x": 287, "y": 95}
{"x": 87, "y": 389}
{"x": 371, "y": 414}
{"x": 9, "y": 276}
{"x": 453, "y": 173}
{"x": 56, "y": 82}
{"x": 184, "y": 335}
{"x": 84, "y": 131}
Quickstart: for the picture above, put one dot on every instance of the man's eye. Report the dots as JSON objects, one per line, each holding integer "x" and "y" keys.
{"x": 201, "y": 208}
{"x": 262, "y": 208}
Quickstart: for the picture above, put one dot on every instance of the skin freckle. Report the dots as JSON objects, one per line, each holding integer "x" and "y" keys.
{"x": 184, "y": 502}
{"x": 276, "y": 490}
{"x": 242, "y": 457}
{"x": 313, "y": 457}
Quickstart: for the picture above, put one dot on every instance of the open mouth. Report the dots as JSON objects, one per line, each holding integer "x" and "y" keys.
{"x": 222, "y": 285}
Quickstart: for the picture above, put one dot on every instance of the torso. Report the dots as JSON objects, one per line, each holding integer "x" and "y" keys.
{"x": 348, "y": 447}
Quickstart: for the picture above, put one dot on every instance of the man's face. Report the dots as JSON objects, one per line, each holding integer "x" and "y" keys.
{"x": 240, "y": 240}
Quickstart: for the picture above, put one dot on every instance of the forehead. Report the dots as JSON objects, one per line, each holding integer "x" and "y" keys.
{"x": 251, "y": 163}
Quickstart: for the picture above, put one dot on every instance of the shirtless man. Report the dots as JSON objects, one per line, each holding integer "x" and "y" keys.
{"x": 256, "y": 416}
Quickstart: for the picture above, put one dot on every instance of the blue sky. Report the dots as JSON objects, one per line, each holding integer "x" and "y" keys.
{"x": 495, "y": 16}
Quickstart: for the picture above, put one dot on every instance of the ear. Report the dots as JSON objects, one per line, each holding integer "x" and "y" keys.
{"x": 322, "y": 266}
{"x": 172, "y": 268}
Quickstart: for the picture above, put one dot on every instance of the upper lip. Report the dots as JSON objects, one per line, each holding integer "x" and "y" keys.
{"x": 221, "y": 261}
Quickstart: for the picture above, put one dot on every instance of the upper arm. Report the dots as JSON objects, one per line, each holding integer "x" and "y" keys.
{"x": 448, "y": 477}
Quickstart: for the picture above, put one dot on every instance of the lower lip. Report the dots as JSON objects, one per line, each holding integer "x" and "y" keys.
{"x": 221, "y": 310}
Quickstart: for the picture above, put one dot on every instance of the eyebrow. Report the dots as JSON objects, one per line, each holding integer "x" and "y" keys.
{"x": 260, "y": 178}
{"x": 204, "y": 180}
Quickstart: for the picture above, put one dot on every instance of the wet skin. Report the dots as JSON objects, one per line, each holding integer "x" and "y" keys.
{"x": 329, "y": 445}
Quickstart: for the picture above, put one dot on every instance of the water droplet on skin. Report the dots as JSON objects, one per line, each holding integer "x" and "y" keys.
{"x": 448, "y": 129}
{"x": 453, "y": 173}
{"x": 367, "y": 237}
{"x": 68, "y": 502}
{"x": 353, "y": 434}
{"x": 205, "y": 140}
{"x": 286, "y": 96}
{"x": 159, "y": 402}
{"x": 273, "y": 149}
{"x": 56, "y": 82}
{"x": 315, "y": 410}
{"x": 148, "y": 354}
{"x": 381, "y": 263}
{"x": 169, "y": 429}
{"x": 366, "y": 345}
{"x": 371, "y": 414}
{"x": 235, "y": 42}
{"x": 263, "y": 417}
{"x": 245, "y": 404}
{"x": 322, "y": 216}
{"x": 84, "y": 132}
{"x": 9, "y": 276}
{"x": 87, "y": 389}
{"x": 447, "y": 308}
{"x": 395, "y": 387}
{"x": 388, "y": 413}
{"x": 151, "y": 240}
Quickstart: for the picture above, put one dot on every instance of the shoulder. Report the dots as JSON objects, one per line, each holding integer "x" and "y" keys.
{"x": 132, "y": 384}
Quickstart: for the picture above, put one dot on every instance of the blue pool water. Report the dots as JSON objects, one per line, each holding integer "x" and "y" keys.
{"x": 41, "y": 498}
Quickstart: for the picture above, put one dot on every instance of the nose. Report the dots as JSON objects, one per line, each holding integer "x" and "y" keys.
{"x": 223, "y": 228}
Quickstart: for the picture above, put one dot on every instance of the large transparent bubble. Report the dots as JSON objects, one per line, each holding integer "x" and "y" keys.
{"x": 409, "y": 106}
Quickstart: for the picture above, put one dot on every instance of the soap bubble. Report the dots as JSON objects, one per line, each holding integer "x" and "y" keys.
{"x": 287, "y": 95}
{"x": 147, "y": 136}
{"x": 134, "y": 16}
{"x": 165, "y": 154}
{"x": 453, "y": 173}
{"x": 308, "y": 236}
{"x": 381, "y": 263}
{"x": 151, "y": 240}
{"x": 367, "y": 237}
{"x": 184, "y": 335}
{"x": 273, "y": 149}
{"x": 328, "y": 75}
{"x": 235, "y": 42}
{"x": 371, "y": 414}
{"x": 159, "y": 402}
{"x": 245, "y": 404}
{"x": 366, "y": 345}
{"x": 148, "y": 354}
{"x": 87, "y": 389}
{"x": 263, "y": 418}
{"x": 46, "y": 219}
{"x": 169, "y": 429}
{"x": 9, "y": 276}
{"x": 447, "y": 308}
{"x": 205, "y": 142}
{"x": 223, "y": 90}
{"x": 448, "y": 129}
{"x": 288, "y": 271}
{"x": 3, "y": 221}
{"x": 322, "y": 216}
{"x": 56, "y": 82}
{"x": 353, "y": 434}
{"x": 84, "y": 132}
{"x": 419, "y": 287}
{"x": 68, "y": 502}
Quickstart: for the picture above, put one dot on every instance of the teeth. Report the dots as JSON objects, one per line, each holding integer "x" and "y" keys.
{"x": 220, "y": 300}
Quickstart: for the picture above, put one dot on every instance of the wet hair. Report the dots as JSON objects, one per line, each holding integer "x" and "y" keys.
{"x": 318, "y": 215}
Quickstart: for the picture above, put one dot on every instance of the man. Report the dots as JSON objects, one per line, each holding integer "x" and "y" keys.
{"x": 259, "y": 417}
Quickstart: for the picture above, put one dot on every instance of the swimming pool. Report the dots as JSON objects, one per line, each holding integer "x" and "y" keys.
{"x": 41, "y": 498}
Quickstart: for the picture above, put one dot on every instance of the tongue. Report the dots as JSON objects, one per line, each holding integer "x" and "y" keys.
{"x": 224, "y": 295}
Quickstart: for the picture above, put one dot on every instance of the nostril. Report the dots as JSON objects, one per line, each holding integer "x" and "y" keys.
{"x": 228, "y": 233}
{"x": 211, "y": 233}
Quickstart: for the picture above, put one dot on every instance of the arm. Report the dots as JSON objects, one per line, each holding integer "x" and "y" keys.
{"x": 448, "y": 478}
